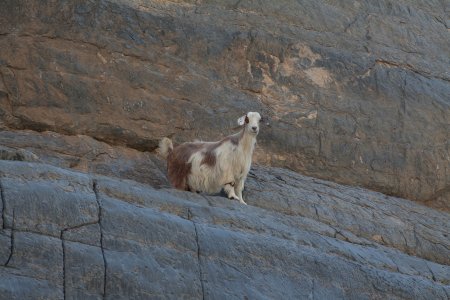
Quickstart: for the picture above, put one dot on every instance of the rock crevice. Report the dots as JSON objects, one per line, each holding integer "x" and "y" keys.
{"x": 11, "y": 243}
{"x": 2, "y": 198}
{"x": 200, "y": 275}
{"x": 100, "y": 209}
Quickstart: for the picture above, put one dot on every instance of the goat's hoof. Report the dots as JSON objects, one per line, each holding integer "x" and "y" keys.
{"x": 243, "y": 202}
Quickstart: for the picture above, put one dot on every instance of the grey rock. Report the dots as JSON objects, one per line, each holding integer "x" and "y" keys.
{"x": 299, "y": 237}
{"x": 83, "y": 153}
{"x": 8, "y": 153}
{"x": 148, "y": 254}
{"x": 86, "y": 234}
{"x": 17, "y": 287}
{"x": 281, "y": 268}
{"x": 69, "y": 202}
{"x": 5, "y": 246}
{"x": 84, "y": 271}
{"x": 388, "y": 220}
{"x": 36, "y": 255}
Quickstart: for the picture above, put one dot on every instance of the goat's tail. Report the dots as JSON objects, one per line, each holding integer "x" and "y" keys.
{"x": 165, "y": 147}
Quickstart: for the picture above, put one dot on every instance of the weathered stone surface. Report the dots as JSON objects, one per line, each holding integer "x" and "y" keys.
{"x": 83, "y": 153}
{"x": 84, "y": 271}
{"x": 148, "y": 254}
{"x": 87, "y": 234}
{"x": 300, "y": 237}
{"x": 5, "y": 246}
{"x": 38, "y": 256}
{"x": 357, "y": 92}
{"x": 8, "y": 153}
{"x": 374, "y": 216}
{"x": 47, "y": 209}
{"x": 23, "y": 287}
{"x": 280, "y": 268}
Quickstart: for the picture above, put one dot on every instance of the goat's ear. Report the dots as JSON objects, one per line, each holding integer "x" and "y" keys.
{"x": 241, "y": 120}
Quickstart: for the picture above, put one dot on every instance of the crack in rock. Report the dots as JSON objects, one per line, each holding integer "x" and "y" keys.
{"x": 12, "y": 240}
{"x": 198, "y": 253}
{"x": 2, "y": 197}
{"x": 100, "y": 211}
{"x": 316, "y": 211}
{"x": 80, "y": 226}
{"x": 431, "y": 271}
{"x": 63, "y": 245}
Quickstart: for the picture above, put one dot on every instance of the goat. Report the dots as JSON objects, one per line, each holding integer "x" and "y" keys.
{"x": 212, "y": 166}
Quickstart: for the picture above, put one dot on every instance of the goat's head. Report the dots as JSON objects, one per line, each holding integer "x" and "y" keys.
{"x": 250, "y": 121}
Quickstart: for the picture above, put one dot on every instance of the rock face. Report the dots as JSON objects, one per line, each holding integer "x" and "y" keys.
{"x": 73, "y": 235}
{"x": 68, "y": 232}
{"x": 356, "y": 92}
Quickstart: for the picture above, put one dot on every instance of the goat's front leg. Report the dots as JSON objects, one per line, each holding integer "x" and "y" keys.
{"x": 239, "y": 187}
{"x": 229, "y": 190}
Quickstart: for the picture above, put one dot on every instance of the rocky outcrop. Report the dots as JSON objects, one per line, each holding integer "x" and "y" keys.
{"x": 82, "y": 153}
{"x": 73, "y": 235}
{"x": 356, "y": 92}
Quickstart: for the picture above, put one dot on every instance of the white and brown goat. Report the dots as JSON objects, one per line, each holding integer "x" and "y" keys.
{"x": 210, "y": 166}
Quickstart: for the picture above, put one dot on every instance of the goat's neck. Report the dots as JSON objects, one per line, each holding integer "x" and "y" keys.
{"x": 247, "y": 142}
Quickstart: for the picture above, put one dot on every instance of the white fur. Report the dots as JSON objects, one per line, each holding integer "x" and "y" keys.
{"x": 165, "y": 145}
{"x": 241, "y": 120}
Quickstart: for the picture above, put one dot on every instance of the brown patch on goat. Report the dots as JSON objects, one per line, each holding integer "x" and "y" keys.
{"x": 235, "y": 138}
{"x": 178, "y": 167}
{"x": 209, "y": 158}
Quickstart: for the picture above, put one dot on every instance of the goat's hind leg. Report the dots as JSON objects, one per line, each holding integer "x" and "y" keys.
{"x": 229, "y": 190}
